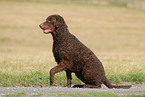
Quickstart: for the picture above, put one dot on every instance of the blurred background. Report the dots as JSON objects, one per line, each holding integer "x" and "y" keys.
{"x": 113, "y": 29}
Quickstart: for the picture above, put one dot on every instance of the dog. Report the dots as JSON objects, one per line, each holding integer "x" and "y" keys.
{"x": 72, "y": 56}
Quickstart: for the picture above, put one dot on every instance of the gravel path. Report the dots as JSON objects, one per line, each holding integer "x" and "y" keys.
{"x": 136, "y": 90}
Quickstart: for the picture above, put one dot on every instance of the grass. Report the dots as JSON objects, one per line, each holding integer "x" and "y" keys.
{"x": 19, "y": 94}
{"x": 114, "y": 34}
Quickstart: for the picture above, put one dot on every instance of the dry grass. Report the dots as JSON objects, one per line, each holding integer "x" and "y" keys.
{"x": 115, "y": 34}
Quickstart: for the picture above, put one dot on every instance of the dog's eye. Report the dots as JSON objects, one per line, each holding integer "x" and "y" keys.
{"x": 47, "y": 20}
{"x": 50, "y": 22}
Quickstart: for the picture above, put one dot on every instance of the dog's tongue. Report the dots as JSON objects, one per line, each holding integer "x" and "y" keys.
{"x": 47, "y": 30}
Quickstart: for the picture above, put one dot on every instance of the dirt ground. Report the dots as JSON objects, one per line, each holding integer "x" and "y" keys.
{"x": 134, "y": 90}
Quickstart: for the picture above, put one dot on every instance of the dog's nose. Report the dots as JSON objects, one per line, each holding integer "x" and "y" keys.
{"x": 40, "y": 25}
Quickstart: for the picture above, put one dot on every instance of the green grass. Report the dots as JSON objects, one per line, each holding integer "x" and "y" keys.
{"x": 19, "y": 94}
{"x": 114, "y": 34}
{"x": 33, "y": 79}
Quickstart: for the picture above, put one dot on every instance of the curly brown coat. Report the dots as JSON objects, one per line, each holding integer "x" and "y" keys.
{"x": 73, "y": 56}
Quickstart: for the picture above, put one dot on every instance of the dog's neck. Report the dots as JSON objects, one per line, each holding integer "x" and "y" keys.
{"x": 60, "y": 33}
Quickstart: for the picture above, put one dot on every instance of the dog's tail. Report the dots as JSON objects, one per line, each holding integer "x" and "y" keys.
{"x": 109, "y": 85}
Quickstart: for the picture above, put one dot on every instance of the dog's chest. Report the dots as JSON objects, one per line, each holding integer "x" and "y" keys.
{"x": 55, "y": 51}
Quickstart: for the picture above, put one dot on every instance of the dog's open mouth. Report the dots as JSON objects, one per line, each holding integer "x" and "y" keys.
{"x": 46, "y": 31}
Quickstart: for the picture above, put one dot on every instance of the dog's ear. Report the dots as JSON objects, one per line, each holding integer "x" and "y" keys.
{"x": 58, "y": 21}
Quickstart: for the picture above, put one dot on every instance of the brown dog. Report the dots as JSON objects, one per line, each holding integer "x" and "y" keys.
{"x": 73, "y": 56}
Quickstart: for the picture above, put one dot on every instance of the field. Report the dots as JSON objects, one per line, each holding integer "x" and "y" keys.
{"x": 116, "y": 34}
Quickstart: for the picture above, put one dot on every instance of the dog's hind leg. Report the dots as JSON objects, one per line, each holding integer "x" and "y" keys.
{"x": 86, "y": 86}
{"x": 92, "y": 86}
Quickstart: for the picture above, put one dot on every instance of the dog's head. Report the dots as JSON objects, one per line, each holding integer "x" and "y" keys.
{"x": 52, "y": 23}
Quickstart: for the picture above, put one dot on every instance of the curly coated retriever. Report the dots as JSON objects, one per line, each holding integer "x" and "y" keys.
{"x": 74, "y": 57}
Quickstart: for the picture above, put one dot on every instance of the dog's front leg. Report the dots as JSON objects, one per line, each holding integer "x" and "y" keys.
{"x": 60, "y": 67}
{"x": 69, "y": 78}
